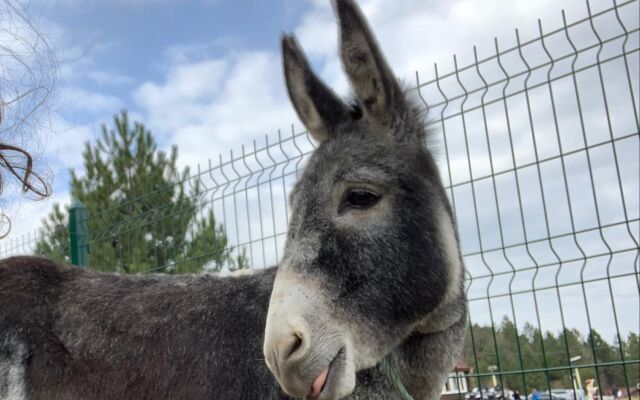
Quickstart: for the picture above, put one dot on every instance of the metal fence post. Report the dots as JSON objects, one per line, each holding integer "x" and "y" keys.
{"x": 78, "y": 234}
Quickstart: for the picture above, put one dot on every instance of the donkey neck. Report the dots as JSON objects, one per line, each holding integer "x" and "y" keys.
{"x": 427, "y": 354}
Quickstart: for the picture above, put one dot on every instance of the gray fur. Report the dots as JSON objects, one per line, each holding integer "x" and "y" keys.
{"x": 357, "y": 287}
{"x": 358, "y": 284}
{"x": 13, "y": 358}
{"x": 79, "y": 334}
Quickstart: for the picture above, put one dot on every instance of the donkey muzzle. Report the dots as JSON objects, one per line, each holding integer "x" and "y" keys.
{"x": 303, "y": 347}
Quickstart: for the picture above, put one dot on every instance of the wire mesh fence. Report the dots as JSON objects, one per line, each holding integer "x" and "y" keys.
{"x": 539, "y": 149}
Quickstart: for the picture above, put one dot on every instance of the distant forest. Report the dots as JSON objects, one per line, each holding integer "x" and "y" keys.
{"x": 529, "y": 350}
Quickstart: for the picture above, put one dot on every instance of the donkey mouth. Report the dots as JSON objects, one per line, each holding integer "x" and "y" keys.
{"x": 325, "y": 378}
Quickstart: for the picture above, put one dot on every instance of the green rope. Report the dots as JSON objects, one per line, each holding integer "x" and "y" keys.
{"x": 392, "y": 373}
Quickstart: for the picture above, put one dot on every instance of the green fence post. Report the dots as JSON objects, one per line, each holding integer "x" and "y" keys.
{"x": 79, "y": 234}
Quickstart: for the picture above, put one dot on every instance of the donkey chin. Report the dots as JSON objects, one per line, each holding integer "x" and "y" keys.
{"x": 309, "y": 351}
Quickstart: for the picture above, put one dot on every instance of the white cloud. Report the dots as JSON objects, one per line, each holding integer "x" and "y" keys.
{"x": 416, "y": 34}
{"x": 79, "y": 99}
{"x": 190, "y": 52}
{"x": 208, "y": 107}
{"x": 185, "y": 85}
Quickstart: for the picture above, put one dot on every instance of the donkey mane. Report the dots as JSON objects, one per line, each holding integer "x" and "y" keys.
{"x": 417, "y": 112}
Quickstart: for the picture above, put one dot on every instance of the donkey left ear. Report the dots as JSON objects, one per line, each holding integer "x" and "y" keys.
{"x": 319, "y": 109}
{"x": 374, "y": 83}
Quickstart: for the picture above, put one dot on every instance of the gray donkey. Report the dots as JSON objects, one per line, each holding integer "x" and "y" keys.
{"x": 367, "y": 303}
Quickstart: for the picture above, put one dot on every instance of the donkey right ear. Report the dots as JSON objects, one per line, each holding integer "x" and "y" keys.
{"x": 319, "y": 109}
{"x": 375, "y": 85}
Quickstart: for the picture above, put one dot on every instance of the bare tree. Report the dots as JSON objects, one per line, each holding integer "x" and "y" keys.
{"x": 28, "y": 81}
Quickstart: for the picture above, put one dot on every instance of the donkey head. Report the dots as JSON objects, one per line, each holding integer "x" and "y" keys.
{"x": 371, "y": 247}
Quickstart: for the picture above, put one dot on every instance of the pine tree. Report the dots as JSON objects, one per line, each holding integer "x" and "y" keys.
{"x": 632, "y": 352}
{"x": 144, "y": 213}
{"x": 521, "y": 349}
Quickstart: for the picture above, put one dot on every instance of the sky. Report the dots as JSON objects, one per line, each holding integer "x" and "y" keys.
{"x": 205, "y": 75}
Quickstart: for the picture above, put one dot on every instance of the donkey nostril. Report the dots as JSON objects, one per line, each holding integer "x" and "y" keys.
{"x": 297, "y": 343}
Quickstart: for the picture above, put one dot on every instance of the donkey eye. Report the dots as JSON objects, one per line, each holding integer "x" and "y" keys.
{"x": 361, "y": 199}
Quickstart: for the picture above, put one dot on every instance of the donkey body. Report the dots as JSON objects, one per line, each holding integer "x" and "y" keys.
{"x": 367, "y": 303}
{"x": 68, "y": 334}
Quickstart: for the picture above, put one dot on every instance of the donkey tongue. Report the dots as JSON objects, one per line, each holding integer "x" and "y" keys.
{"x": 317, "y": 385}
